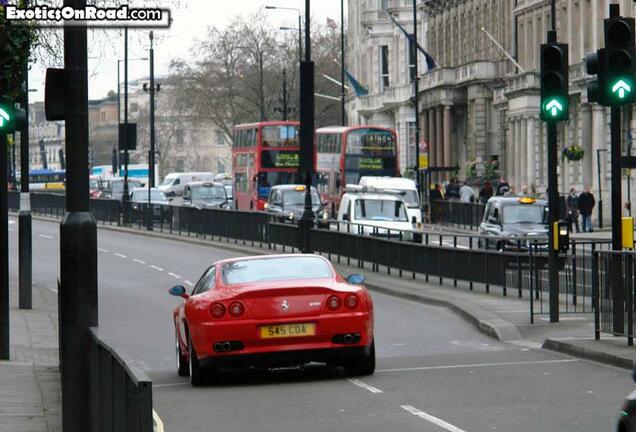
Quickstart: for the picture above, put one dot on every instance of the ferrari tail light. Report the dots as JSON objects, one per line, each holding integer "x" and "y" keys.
{"x": 236, "y": 309}
{"x": 351, "y": 301}
{"x": 217, "y": 310}
{"x": 333, "y": 303}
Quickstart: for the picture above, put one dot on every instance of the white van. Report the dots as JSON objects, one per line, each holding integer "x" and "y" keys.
{"x": 374, "y": 212}
{"x": 401, "y": 184}
{"x": 174, "y": 183}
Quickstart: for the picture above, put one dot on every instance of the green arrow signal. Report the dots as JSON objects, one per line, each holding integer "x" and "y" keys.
{"x": 4, "y": 116}
{"x": 554, "y": 107}
{"x": 622, "y": 88}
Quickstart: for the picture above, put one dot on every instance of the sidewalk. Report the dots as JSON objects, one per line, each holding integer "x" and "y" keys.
{"x": 30, "y": 393}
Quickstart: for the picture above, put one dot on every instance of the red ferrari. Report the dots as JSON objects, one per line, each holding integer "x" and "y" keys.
{"x": 273, "y": 311}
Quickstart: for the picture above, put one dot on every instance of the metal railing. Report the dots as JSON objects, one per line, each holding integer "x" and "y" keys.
{"x": 121, "y": 394}
{"x": 613, "y": 314}
{"x": 457, "y": 214}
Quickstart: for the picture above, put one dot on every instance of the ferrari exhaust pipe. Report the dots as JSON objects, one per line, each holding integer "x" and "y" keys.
{"x": 348, "y": 338}
{"x": 218, "y": 347}
{"x": 227, "y": 346}
{"x": 356, "y": 338}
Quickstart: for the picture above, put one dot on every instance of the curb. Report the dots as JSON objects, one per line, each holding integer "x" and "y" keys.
{"x": 564, "y": 347}
{"x": 484, "y": 321}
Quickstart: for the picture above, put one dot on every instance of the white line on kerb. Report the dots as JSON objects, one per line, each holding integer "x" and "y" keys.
{"x": 476, "y": 365}
{"x": 174, "y": 275}
{"x": 46, "y": 236}
{"x": 187, "y": 282}
{"x": 365, "y": 386}
{"x": 120, "y": 255}
{"x": 103, "y": 250}
{"x": 437, "y": 421}
{"x": 155, "y": 267}
{"x": 138, "y": 261}
{"x": 171, "y": 384}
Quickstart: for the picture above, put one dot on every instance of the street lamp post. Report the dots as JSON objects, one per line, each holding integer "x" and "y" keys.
{"x": 300, "y": 26}
{"x": 151, "y": 153}
{"x": 416, "y": 87}
{"x": 342, "y": 65}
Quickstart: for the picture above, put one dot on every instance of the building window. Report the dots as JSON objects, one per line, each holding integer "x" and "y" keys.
{"x": 180, "y": 165}
{"x": 384, "y": 66}
{"x": 220, "y": 167}
{"x": 134, "y": 107}
{"x": 179, "y": 136}
{"x": 384, "y": 4}
{"x": 220, "y": 138}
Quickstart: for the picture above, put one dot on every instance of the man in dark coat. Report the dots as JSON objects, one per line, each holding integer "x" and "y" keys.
{"x": 586, "y": 205}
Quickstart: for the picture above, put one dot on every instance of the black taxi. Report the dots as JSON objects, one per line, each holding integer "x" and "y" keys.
{"x": 514, "y": 223}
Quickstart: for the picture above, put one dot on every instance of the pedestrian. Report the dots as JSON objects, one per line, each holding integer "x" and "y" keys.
{"x": 524, "y": 191}
{"x": 466, "y": 194}
{"x": 486, "y": 192}
{"x": 436, "y": 193}
{"x": 452, "y": 189}
{"x": 586, "y": 205}
{"x": 503, "y": 187}
{"x": 572, "y": 205}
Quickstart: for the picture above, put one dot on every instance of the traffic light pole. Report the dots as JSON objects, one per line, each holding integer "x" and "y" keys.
{"x": 4, "y": 251}
{"x": 553, "y": 215}
{"x": 618, "y": 294}
{"x": 78, "y": 240}
{"x": 151, "y": 153}
{"x": 416, "y": 87}
{"x": 25, "y": 264}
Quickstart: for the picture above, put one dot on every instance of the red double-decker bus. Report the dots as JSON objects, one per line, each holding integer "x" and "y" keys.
{"x": 264, "y": 154}
{"x": 346, "y": 153}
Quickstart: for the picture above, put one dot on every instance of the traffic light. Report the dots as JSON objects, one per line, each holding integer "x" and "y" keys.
{"x": 554, "y": 82}
{"x": 618, "y": 62}
{"x": 11, "y": 118}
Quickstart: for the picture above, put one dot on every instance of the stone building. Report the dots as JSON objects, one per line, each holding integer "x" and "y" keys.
{"x": 478, "y": 105}
{"x": 46, "y": 139}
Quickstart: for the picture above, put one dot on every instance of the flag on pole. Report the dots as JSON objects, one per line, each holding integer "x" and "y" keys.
{"x": 332, "y": 24}
{"x": 358, "y": 88}
{"x": 430, "y": 62}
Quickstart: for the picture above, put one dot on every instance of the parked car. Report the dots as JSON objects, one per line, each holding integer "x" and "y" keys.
{"x": 115, "y": 188}
{"x": 174, "y": 183}
{"x": 399, "y": 184}
{"x": 161, "y": 209}
{"x": 205, "y": 195}
{"x": 375, "y": 212}
{"x": 287, "y": 203}
{"x": 514, "y": 223}
{"x": 269, "y": 311}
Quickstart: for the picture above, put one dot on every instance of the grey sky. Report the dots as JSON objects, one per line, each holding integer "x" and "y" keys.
{"x": 190, "y": 22}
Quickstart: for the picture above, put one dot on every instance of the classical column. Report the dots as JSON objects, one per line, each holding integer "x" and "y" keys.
{"x": 439, "y": 136}
{"x": 516, "y": 154}
{"x": 583, "y": 27}
{"x": 523, "y": 156}
{"x": 510, "y": 138}
{"x": 599, "y": 141}
{"x": 531, "y": 146}
{"x": 586, "y": 144}
{"x": 424, "y": 132}
{"x": 431, "y": 137}
{"x": 447, "y": 136}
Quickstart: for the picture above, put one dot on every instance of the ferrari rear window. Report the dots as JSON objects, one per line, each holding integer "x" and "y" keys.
{"x": 275, "y": 269}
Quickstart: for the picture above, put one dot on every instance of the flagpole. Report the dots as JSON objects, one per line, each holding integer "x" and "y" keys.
{"x": 342, "y": 65}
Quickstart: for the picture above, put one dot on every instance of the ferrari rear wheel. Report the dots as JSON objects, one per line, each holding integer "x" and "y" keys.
{"x": 362, "y": 365}
{"x": 183, "y": 369}
{"x": 196, "y": 372}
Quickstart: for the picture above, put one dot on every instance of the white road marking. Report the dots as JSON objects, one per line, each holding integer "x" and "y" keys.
{"x": 436, "y": 421}
{"x": 138, "y": 261}
{"x": 46, "y": 236}
{"x": 566, "y": 319}
{"x": 155, "y": 267}
{"x": 120, "y": 255}
{"x": 174, "y": 275}
{"x": 103, "y": 250}
{"x": 157, "y": 423}
{"x": 54, "y": 290}
{"x": 171, "y": 384}
{"x": 188, "y": 282}
{"x": 365, "y": 386}
{"x": 11, "y": 222}
{"x": 476, "y": 365}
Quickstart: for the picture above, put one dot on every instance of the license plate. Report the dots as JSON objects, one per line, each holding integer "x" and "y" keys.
{"x": 288, "y": 330}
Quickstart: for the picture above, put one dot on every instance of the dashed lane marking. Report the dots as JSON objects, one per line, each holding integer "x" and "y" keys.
{"x": 46, "y": 236}
{"x": 120, "y": 255}
{"x": 187, "y": 282}
{"x": 476, "y": 365}
{"x": 363, "y": 385}
{"x": 103, "y": 250}
{"x": 138, "y": 261}
{"x": 54, "y": 290}
{"x": 155, "y": 267}
{"x": 435, "y": 420}
{"x": 174, "y": 275}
